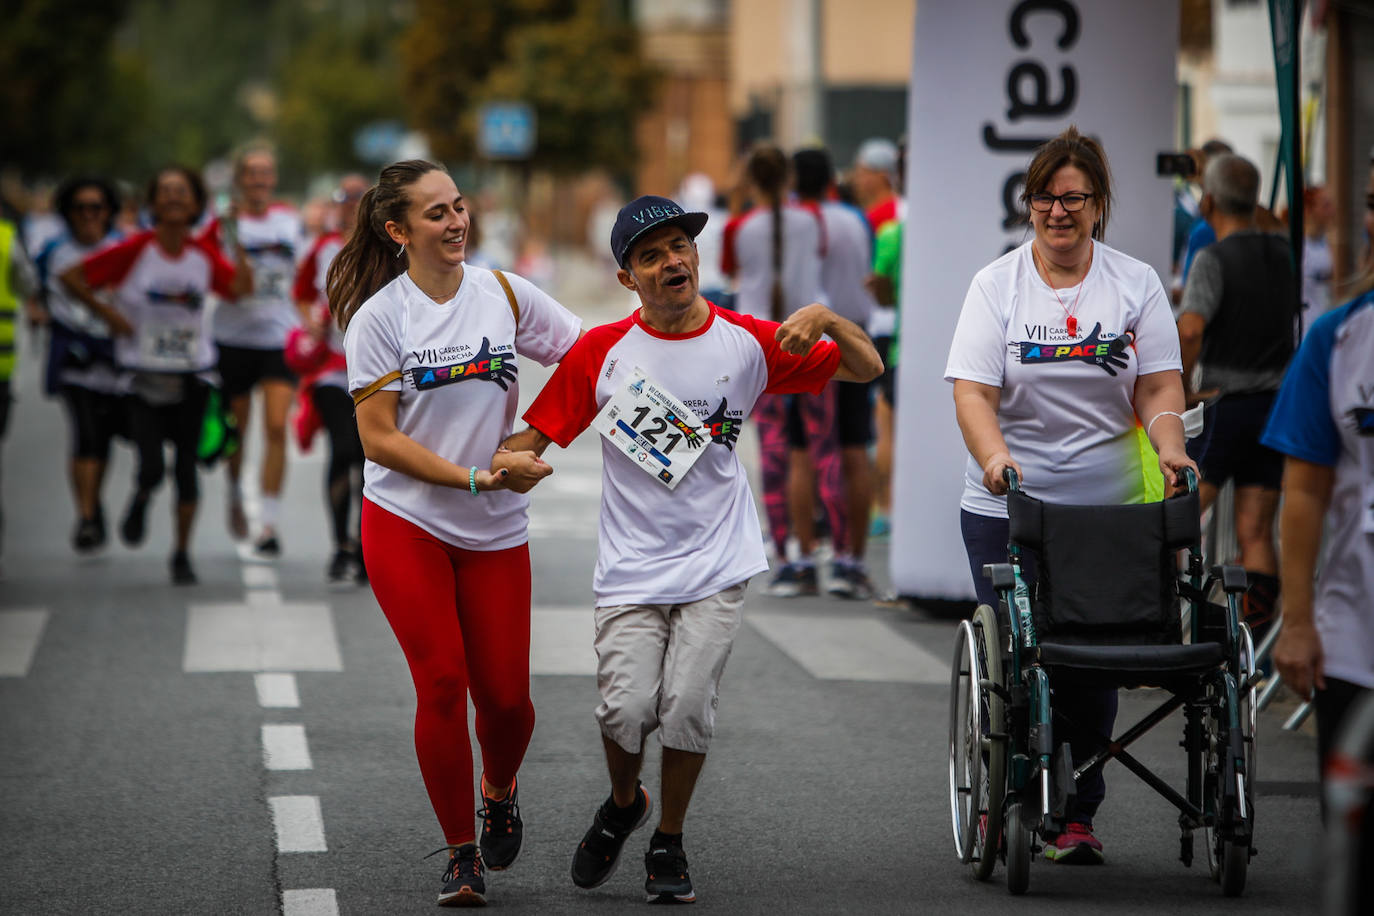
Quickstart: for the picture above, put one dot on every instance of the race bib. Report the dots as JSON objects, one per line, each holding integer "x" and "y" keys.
{"x": 653, "y": 429}
{"x": 168, "y": 346}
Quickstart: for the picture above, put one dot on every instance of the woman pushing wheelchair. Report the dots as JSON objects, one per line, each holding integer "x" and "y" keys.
{"x": 1064, "y": 353}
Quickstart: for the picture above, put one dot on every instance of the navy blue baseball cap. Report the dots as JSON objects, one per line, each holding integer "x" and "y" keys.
{"x": 644, "y": 214}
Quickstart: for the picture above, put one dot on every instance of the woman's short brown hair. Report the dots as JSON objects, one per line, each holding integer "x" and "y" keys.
{"x": 1084, "y": 154}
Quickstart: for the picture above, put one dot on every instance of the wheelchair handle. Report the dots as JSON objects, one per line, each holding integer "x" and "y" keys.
{"x": 1190, "y": 479}
{"x": 1013, "y": 481}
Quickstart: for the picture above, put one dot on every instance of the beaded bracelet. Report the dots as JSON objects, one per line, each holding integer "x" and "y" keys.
{"x": 472, "y": 479}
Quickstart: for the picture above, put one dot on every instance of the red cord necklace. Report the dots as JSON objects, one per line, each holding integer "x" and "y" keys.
{"x": 1071, "y": 323}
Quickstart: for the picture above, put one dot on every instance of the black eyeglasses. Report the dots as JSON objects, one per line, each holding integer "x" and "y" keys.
{"x": 1072, "y": 201}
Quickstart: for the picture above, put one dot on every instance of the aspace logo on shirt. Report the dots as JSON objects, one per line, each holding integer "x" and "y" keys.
{"x": 186, "y": 298}
{"x": 280, "y": 249}
{"x": 724, "y": 424}
{"x": 1109, "y": 355}
{"x": 485, "y": 365}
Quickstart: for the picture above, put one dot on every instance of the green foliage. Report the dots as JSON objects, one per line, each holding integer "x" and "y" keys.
{"x": 575, "y": 61}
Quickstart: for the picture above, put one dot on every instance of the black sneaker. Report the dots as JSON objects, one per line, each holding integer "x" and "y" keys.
{"x": 360, "y": 575}
{"x": 463, "y": 881}
{"x": 268, "y": 546}
{"x": 89, "y": 536}
{"x": 666, "y": 866}
{"x": 132, "y": 528}
{"x": 849, "y": 580}
{"x": 794, "y": 580}
{"x": 599, "y": 852}
{"x": 340, "y": 567}
{"x": 182, "y": 573}
{"x": 502, "y": 830}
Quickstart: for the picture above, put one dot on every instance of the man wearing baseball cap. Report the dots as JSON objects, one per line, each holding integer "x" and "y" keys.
{"x": 667, "y": 389}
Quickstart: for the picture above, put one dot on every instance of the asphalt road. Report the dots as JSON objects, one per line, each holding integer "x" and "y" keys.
{"x": 244, "y": 746}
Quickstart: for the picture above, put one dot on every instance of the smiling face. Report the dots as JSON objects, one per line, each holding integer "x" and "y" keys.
{"x": 1062, "y": 235}
{"x": 662, "y": 268}
{"x": 174, "y": 201}
{"x": 436, "y": 224}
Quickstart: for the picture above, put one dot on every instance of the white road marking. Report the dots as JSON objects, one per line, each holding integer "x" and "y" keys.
{"x": 561, "y": 641}
{"x": 252, "y": 636}
{"x": 316, "y": 901}
{"x": 284, "y": 748}
{"x": 277, "y": 690}
{"x": 20, "y": 632}
{"x": 850, "y": 649}
{"x": 259, "y": 577}
{"x": 299, "y": 823}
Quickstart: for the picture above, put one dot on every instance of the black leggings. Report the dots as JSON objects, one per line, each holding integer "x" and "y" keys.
{"x": 96, "y": 418}
{"x": 180, "y": 423}
{"x": 345, "y": 454}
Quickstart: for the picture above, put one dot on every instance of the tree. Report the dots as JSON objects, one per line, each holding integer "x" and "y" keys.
{"x": 575, "y": 61}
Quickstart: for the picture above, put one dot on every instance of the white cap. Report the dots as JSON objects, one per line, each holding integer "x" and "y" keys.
{"x": 878, "y": 154}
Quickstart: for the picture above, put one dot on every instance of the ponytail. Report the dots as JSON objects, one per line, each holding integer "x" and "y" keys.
{"x": 767, "y": 169}
{"x": 369, "y": 259}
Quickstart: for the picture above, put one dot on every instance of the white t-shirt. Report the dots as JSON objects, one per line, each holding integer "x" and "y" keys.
{"x": 459, "y": 388}
{"x": 1317, "y": 267}
{"x": 1324, "y": 414}
{"x": 661, "y": 546}
{"x": 846, "y": 260}
{"x": 165, "y": 298}
{"x": 747, "y": 256}
{"x": 1066, "y": 410}
{"x": 261, "y": 319}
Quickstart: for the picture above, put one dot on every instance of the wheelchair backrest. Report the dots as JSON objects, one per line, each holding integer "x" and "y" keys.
{"x": 1107, "y": 574}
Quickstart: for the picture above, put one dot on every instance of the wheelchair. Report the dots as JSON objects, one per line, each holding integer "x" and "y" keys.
{"x": 1106, "y": 613}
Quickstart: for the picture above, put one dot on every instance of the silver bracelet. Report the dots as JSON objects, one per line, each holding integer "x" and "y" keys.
{"x": 1162, "y": 413}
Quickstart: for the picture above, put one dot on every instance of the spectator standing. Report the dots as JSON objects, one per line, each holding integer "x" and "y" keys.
{"x": 1202, "y": 234}
{"x": 18, "y": 284}
{"x": 1237, "y": 320}
{"x": 773, "y": 252}
{"x": 1318, "y": 212}
{"x": 846, "y": 256}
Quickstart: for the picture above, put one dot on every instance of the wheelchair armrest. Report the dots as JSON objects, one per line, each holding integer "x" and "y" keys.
{"x": 1233, "y": 578}
{"x": 1001, "y": 574}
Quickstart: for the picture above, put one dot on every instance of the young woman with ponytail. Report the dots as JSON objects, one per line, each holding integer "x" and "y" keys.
{"x": 432, "y": 347}
{"x": 774, "y": 253}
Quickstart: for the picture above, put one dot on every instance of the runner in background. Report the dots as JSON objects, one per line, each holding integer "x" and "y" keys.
{"x": 251, "y": 334}
{"x": 81, "y": 367}
{"x": 323, "y": 400}
{"x": 160, "y": 320}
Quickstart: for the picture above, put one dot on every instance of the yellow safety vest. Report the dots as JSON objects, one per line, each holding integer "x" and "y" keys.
{"x": 9, "y": 302}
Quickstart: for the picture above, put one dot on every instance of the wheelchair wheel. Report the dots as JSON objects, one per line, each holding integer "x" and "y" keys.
{"x": 1018, "y": 841}
{"x": 977, "y": 743}
{"x": 1228, "y": 860}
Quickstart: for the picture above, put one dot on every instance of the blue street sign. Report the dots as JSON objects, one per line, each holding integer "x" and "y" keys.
{"x": 506, "y": 130}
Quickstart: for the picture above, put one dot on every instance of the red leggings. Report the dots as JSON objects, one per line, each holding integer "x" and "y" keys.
{"x": 462, "y": 618}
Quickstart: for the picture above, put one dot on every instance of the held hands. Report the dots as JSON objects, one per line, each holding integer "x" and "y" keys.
{"x": 799, "y": 333}
{"x": 518, "y": 471}
{"x": 992, "y": 473}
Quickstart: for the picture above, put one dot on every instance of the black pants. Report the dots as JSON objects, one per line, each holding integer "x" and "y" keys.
{"x": 1081, "y": 714}
{"x": 96, "y": 418}
{"x": 150, "y": 426}
{"x": 345, "y": 455}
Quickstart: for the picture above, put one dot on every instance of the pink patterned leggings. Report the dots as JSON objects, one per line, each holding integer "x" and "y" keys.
{"x": 816, "y": 413}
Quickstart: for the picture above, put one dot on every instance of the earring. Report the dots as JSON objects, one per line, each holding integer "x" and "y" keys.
{"x": 402, "y": 250}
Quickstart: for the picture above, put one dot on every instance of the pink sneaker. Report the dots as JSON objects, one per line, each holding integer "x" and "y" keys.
{"x": 1075, "y": 846}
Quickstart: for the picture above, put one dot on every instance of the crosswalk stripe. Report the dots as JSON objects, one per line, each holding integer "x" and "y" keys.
{"x": 850, "y": 648}
{"x": 20, "y": 632}
{"x": 315, "y": 901}
{"x": 299, "y": 823}
{"x": 561, "y": 641}
{"x": 266, "y": 636}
